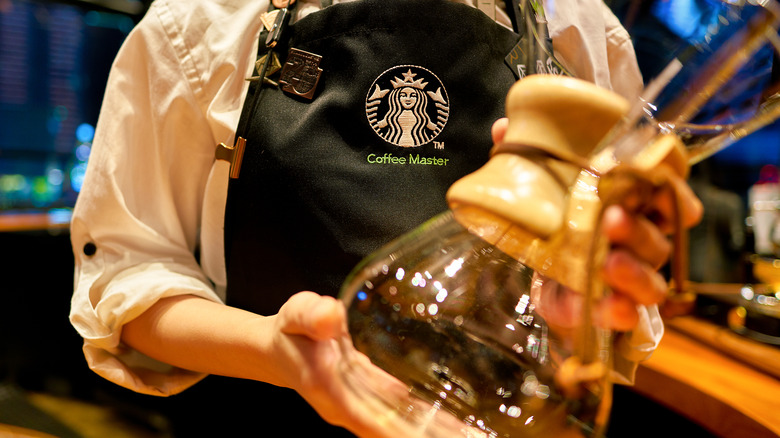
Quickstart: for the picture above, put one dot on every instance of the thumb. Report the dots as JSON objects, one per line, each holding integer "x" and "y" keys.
{"x": 498, "y": 130}
{"x": 315, "y": 316}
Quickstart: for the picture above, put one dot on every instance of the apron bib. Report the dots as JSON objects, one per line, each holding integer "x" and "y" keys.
{"x": 402, "y": 108}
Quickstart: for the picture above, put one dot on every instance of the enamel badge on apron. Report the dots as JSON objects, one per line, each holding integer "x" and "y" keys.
{"x": 301, "y": 73}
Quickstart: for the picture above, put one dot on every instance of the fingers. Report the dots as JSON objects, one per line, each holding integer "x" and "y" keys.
{"x": 617, "y": 312}
{"x": 315, "y": 316}
{"x": 314, "y": 325}
{"x": 640, "y": 248}
{"x": 633, "y": 278}
{"x": 664, "y": 208}
{"x": 633, "y": 282}
{"x": 636, "y": 234}
{"x": 498, "y": 130}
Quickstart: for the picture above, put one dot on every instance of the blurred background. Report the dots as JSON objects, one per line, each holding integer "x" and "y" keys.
{"x": 54, "y": 61}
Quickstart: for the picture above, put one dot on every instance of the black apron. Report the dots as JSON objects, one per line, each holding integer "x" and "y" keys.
{"x": 326, "y": 181}
{"x": 403, "y": 107}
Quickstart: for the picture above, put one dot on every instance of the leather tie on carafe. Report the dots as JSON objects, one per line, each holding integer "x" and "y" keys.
{"x": 540, "y": 196}
{"x": 518, "y": 199}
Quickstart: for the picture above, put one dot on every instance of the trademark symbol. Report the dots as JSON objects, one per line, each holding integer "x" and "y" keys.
{"x": 438, "y": 145}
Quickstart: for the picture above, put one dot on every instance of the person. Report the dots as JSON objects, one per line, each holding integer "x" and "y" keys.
{"x": 154, "y": 270}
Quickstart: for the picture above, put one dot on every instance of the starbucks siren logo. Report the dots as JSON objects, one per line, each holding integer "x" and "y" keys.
{"x": 407, "y": 106}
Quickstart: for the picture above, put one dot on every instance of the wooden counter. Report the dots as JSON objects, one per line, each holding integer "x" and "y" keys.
{"x": 58, "y": 219}
{"x": 699, "y": 370}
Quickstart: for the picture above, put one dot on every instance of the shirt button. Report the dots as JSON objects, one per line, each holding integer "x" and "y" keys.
{"x": 90, "y": 249}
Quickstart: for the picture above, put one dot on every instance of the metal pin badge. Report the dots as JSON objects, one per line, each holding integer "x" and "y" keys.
{"x": 268, "y": 19}
{"x": 301, "y": 73}
{"x": 274, "y": 65}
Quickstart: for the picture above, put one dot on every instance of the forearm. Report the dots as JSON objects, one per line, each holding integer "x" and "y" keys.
{"x": 204, "y": 336}
{"x": 295, "y": 348}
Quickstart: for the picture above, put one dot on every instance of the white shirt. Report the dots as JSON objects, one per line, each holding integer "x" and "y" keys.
{"x": 153, "y": 192}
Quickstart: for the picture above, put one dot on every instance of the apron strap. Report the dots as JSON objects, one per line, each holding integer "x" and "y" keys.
{"x": 275, "y": 23}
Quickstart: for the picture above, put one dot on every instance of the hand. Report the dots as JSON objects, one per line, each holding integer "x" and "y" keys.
{"x": 311, "y": 335}
{"x": 639, "y": 247}
{"x": 302, "y": 347}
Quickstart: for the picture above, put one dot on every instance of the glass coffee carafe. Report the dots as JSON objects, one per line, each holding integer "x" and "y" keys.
{"x": 480, "y": 322}
{"x": 475, "y": 312}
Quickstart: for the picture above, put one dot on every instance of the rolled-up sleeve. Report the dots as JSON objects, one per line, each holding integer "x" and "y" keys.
{"x": 638, "y": 345}
{"x": 138, "y": 221}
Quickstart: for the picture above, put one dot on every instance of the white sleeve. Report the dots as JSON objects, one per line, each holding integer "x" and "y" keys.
{"x": 592, "y": 44}
{"x": 624, "y": 73}
{"x": 136, "y": 223}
